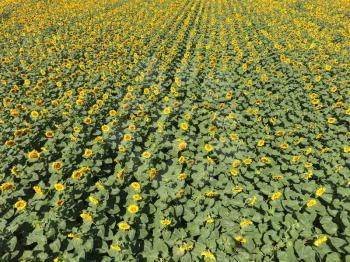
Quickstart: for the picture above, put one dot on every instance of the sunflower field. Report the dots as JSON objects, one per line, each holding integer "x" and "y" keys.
{"x": 175, "y": 130}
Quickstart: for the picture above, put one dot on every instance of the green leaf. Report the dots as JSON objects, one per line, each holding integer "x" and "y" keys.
{"x": 327, "y": 224}
{"x": 55, "y": 245}
{"x": 333, "y": 257}
{"x": 12, "y": 243}
{"x": 304, "y": 252}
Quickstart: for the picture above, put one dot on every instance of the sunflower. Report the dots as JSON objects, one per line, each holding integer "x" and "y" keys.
{"x": 333, "y": 89}
{"x": 184, "y": 126}
{"x": 87, "y": 120}
{"x": 186, "y": 247}
{"x": 318, "y": 78}
{"x": 295, "y": 159}
{"x": 234, "y": 172}
{"x": 319, "y": 241}
{"x": 127, "y": 137}
{"x": 277, "y": 177}
{"x": 59, "y": 187}
{"x": 152, "y": 173}
{"x": 237, "y": 189}
{"x": 234, "y": 136}
{"x": 208, "y": 255}
{"x": 27, "y": 82}
{"x": 211, "y": 194}
{"x": 311, "y": 202}
{"x": 88, "y": 152}
{"x": 236, "y": 163}
{"x": 250, "y": 83}
{"x": 167, "y": 111}
{"x": 86, "y": 216}
{"x": 99, "y": 185}
{"x": 327, "y": 67}
{"x": 34, "y": 155}
{"x": 6, "y": 186}
{"x": 93, "y": 200}
{"x": 34, "y": 114}
{"x": 10, "y": 142}
{"x": 57, "y": 165}
{"x": 308, "y": 165}
{"x": 240, "y": 239}
{"x": 133, "y": 209}
{"x": 180, "y": 193}
{"x": 264, "y": 77}
{"x": 60, "y": 202}
{"x": 99, "y": 139}
{"x": 245, "y": 223}
{"x": 320, "y": 191}
{"x": 276, "y": 195}
{"x": 132, "y": 127}
{"x": 182, "y": 146}
{"x": 112, "y": 112}
{"x": 137, "y": 197}
{"x": 20, "y": 204}
{"x": 105, "y": 128}
{"x": 77, "y": 174}
{"x": 208, "y": 147}
{"x": 331, "y": 120}
{"x": 284, "y": 146}
{"x": 49, "y": 134}
{"x": 252, "y": 200}
{"x": 210, "y": 220}
{"x": 121, "y": 149}
{"x": 181, "y": 159}
{"x": 146, "y": 154}
{"x": 38, "y": 190}
{"x": 116, "y": 247}
{"x": 123, "y": 226}
{"x": 136, "y": 185}
{"x": 247, "y": 161}
{"x": 182, "y": 176}
{"x": 280, "y": 133}
{"x": 18, "y": 133}
{"x": 165, "y": 222}
{"x": 14, "y": 113}
{"x": 261, "y": 143}
{"x": 229, "y": 95}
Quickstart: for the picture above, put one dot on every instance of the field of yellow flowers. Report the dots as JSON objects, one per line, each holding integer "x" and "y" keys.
{"x": 175, "y": 130}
